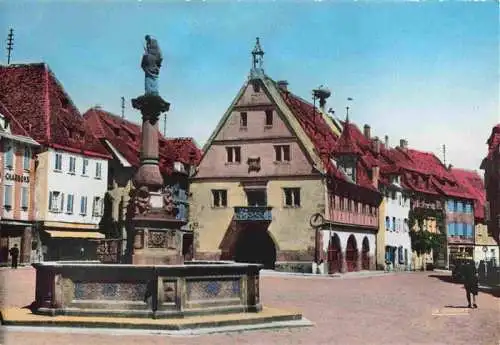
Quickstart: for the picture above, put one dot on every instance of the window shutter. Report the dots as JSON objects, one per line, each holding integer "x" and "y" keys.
{"x": 62, "y": 202}
{"x": 50, "y": 200}
{"x": 101, "y": 206}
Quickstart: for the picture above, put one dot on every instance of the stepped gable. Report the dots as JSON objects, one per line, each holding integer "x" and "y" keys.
{"x": 473, "y": 182}
{"x": 125, "y": 136}
{"x": 39, "y": 103}
{"x": 14, "y": 125}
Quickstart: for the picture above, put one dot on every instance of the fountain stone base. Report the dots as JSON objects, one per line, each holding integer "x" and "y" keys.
{"x": 148, "y": 291}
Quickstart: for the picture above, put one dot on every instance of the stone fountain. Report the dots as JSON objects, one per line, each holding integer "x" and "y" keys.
{"x": 157, "y": 283}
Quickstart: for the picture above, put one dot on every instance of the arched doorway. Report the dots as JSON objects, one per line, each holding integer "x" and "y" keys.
{"x": 351, "y": 254}
{"x": 255, "y": 246}
{"x": 365, "y": 258}
{"x": 334, "y": 255}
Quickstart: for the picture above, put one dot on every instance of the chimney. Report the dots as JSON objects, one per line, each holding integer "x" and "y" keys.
{"x": 283, "y": 85}
{"x": 386, "y": 141}
{"x": 367, "y": 131}
{"x": 403, "y": 144}
{"x": 375, "y": 176}
{"x": 376, "y": 144}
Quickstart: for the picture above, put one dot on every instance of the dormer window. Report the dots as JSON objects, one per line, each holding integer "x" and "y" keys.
{"x": 348, "y": 164}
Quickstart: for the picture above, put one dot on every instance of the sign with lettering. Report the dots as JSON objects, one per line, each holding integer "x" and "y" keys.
{"x": 17, "y": 178}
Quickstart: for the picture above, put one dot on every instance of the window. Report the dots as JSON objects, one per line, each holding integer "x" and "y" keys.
{"x": 58, "y": 162}
{"x": 282, "y": 153}
{"x": 450, "y": 205}
{"x": 9, "y": 154}
{"x": 27, "y": 158}
{"x": 98, "y": 166}
{"x": 24, "y": 198}
{"x": 69, "y": 204}
{"x": 470, "y": 233}
{"x": 459, "y": 207}
{"x": 233, "y": 154}
{"x": 83, "y": 205}
{"x": 219, "y": 198}
{"x": 85, "y": 167}
{"x": 243, "y": 119}
{"x": 56, "y": 201}
{"x": 388, "y": 223}
{"x": 256, "y": 197}
{"x": 72, "y": 165}
{"x": 97, "y": 207}
{"x": 459, "y": 229}
{"x": 7, "y": 199}
{"x": 468, "y": 208}
{"x": 292, "y": 197}
{"x": 269, "y": 118}
{"x": 393, "y": 223}
{"x": 405, "y": 225}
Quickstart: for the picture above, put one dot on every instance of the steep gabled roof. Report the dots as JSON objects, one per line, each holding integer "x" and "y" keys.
{"x": 15, "y": 131}
{"x": 125, "y": 137}
{"x": 39, "y": 103}
{"x": 475, "y": 185}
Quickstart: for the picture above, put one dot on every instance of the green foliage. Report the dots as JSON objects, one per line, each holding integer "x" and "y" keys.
{"x": 426, "y": 241}
{"x": 417, "y": 216}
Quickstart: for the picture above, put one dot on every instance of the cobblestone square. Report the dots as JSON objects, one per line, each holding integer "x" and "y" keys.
{"x": 404, "y": 308}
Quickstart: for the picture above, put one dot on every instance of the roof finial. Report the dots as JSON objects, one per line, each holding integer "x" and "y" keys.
{"x": 257, "y": 58}
{"x": 349, "y": 99}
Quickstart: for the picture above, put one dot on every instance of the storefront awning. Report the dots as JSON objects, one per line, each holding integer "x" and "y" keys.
{"x": 74, "y": 234}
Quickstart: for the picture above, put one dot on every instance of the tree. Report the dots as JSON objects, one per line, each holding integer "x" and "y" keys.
{"x": 424, "y": 242}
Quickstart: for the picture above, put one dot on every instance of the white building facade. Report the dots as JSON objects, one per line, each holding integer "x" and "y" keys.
{"x": 70, "y": 201}
{"x": 397, "y": 232}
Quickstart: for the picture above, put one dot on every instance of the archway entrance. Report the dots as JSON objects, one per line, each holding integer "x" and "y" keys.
{"x": 351, "y": 254}
{"x": 334, "y": 255}
{"x": 255, "y": 246}
{"x": 365, "y": 258}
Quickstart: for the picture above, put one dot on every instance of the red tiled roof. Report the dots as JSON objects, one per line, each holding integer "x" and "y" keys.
{"x": 475, "y": 185}
{"x": 323, "y": 138}
{"x": 125, "y": 136}
{"x": 41, "y": 106}
{"x": 15, "y": 126}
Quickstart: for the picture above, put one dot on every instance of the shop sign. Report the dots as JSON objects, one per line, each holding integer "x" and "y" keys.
{"x": 17, "y": 178}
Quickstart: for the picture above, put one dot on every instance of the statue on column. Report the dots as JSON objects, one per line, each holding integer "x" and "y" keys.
{"x": 151, "y": 63}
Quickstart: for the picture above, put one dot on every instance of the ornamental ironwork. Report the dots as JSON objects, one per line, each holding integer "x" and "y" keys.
{"x": 253, "y": 213}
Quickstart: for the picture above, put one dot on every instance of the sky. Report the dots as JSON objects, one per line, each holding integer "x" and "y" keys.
{"x": 424, "y": 71}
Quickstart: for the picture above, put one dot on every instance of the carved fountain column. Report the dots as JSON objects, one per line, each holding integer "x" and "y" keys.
{"x": 156, "y": 234}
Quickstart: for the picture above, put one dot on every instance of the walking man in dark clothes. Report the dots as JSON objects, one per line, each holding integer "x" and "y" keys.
{"x": 470, "y": 282}
{"x": 14, "y": 252}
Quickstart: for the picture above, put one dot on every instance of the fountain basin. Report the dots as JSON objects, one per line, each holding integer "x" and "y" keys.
{"x": 148, "y": 291}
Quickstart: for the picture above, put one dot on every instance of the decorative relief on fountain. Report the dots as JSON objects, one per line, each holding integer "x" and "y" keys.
{"x": 157, "y": 239}
{"x": 141, "y": 201}
{"x": 213, "y": 289}
{"x": 139, "y": 239}
{"x": 168, "y": 202}
{"x": 109, "y": 291}
{"x": 169, "y": 291}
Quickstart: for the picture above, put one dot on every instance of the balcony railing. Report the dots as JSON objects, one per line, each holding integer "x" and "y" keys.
{"x": 253, "y": 213}
{"x": 354, "y": 218}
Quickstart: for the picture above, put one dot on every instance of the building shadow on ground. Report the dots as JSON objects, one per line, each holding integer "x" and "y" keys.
{"x": 494, "y": 290}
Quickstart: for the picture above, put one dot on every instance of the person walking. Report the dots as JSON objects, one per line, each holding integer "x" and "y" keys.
{"x": 14, "y": 252}
{"x": 470, "y": 283}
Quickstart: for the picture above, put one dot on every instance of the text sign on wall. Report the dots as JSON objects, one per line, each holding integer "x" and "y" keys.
{"x": 17, "y": 178}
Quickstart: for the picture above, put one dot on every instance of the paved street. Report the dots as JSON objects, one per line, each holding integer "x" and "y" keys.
{"x": 405, "y": 308}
